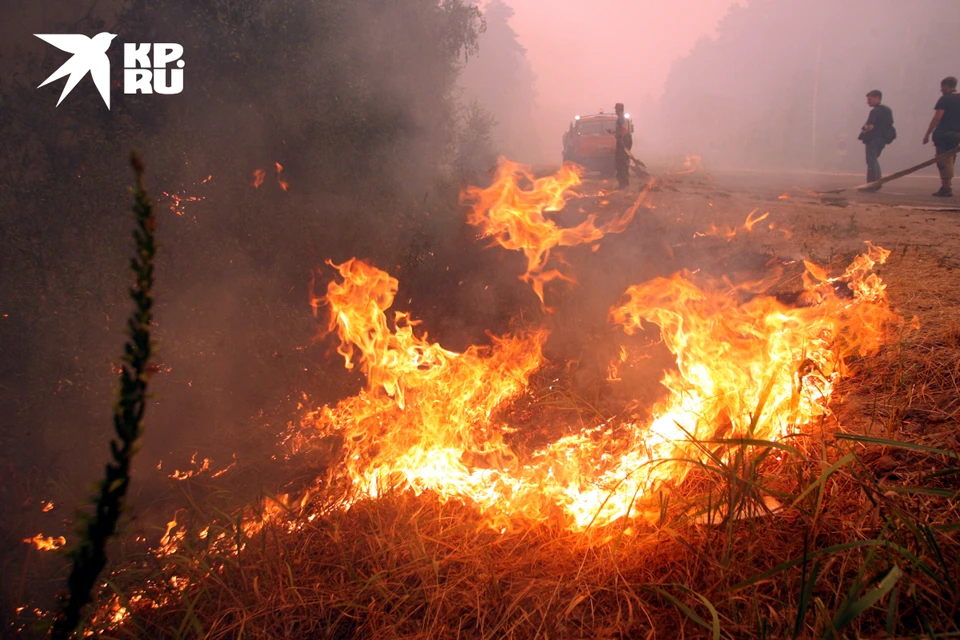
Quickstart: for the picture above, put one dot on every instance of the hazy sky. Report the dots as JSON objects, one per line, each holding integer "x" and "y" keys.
{"x": 589, "y": 55}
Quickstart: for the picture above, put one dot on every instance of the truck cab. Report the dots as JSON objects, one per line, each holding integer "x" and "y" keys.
{"x": 590, "y": 141}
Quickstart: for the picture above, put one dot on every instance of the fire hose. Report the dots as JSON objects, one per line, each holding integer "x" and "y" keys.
{"x": 899, "y": 174}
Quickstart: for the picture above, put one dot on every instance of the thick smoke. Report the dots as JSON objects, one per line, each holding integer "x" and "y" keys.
{"x": 783, "y": 84}
{"x": 357, "y": 103}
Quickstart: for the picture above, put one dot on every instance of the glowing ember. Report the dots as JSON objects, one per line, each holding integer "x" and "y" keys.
{"x": 46, "y": 543}
{"x": 46, "y": 506}
{"x": 514, "y": 217}
{"x": 283, "y": 183}
{"x": 178, "y": 201}
{"x": 258, "y": 176}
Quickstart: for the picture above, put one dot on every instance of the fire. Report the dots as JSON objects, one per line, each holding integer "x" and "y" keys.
{"x": 283, "y": 183}
{"x": 46, "y": 543}
{"x": 745, "y": 369}
{"x": 755, "y": 369}
{"x": 198, "y": 469}
{"x": 729, "y": 233}
{"x": 514, "y": 217}
{"x": 691, "y": 164}
{"x": 258, "y": 176}
{"x": 424, "y": 419}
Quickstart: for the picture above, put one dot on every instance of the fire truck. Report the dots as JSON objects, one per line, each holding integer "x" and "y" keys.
{"x": 591, "y": 143}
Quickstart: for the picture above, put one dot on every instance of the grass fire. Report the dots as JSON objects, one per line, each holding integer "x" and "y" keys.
{"x": 475, "y": 320}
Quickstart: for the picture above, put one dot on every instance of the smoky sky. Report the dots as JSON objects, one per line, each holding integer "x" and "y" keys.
{"x": 590, "y": 55}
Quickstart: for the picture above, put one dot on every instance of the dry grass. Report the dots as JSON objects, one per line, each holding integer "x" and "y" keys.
{"x": 865, "y": 545}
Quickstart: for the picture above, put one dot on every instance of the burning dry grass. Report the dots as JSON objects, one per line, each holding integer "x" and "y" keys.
{"x": 847, "y": 527}
{"x": 849, "y": 535}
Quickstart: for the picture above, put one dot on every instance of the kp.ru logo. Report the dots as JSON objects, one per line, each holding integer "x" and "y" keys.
{"x": 141, "y": 72}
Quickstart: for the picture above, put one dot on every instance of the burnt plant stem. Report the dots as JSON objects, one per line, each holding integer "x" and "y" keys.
{"x": 89, "y": 555}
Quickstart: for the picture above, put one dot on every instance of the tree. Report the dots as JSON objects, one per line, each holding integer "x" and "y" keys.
{"x": 500, "y": 79}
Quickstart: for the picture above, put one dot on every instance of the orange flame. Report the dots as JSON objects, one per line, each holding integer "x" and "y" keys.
{"x": 283, "y": 183}
{"x": 729, "y": 233}
{"x": 46, "y": 543}
{"x": 425, "y": 413}
{"x": 514, "y": 217}
{"x": 258, "y": 176}
{"x": 755, "y": 369}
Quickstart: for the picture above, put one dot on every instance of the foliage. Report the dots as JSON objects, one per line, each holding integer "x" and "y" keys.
{"x": 89, "y": 553}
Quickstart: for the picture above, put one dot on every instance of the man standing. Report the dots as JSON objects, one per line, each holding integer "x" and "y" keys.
{"x": 624, "y": 142}
{"x": 877, "y": 133}
{"x": 945, "y": 127}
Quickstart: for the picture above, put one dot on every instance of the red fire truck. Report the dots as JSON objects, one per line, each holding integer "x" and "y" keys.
{"x": 590, "y": 141}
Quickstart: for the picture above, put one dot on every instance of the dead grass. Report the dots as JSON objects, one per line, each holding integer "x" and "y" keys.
{"x": 410, "y": 567}
{"x": 865, "y": 544}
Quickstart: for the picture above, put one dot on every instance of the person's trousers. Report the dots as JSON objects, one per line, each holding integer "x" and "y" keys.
{"x": 623, "y": 166}
{"x": 945, "y": 142}
{"x": 874, "y": 149}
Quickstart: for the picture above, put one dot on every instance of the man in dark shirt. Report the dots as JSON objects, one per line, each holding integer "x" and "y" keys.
{"x": 622, "y": 132}
{"x": 945, "y": 128}
{"x": 876, "y": 134}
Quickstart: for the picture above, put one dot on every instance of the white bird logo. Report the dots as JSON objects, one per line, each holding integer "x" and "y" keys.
{"x": 89, "y": 55}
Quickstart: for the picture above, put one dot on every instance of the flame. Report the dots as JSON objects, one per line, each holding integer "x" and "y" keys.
{"x": 424, "y": 417}
{"x": 46, "y": 543}
{"x": 258, "y": 176}
{"x": 755, "y": 369}
{"x": 46, "y": 506}
{"x": 200, "y": 468}
{"x": 514, "y": 217}
{"x": 283, "y": 183}
{"x": 729, "y": 233}
{"x": 691, "y": 164}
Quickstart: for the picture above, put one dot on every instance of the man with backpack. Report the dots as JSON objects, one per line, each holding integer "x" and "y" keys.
{"x": 876, "y": 134}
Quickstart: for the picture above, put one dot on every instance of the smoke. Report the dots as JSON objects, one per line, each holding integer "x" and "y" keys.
{"x": 783, "y": 84}
{"x": 357, "y": 103}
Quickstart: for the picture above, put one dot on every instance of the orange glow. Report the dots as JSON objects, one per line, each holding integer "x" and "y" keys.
{"x": 46, "y": 506}
{"x": 283, "y": 183}
{"x": 178, "y": 201}
{"x": 199, "y": 468}
{"x": 756, "y": 369}
{"x": 514, "y": 217}
{"x": 691, "y": 164}
{"x": 258, "y": 176}
{"x": 46, "y": 543}
{"x": 729, "y": 233}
